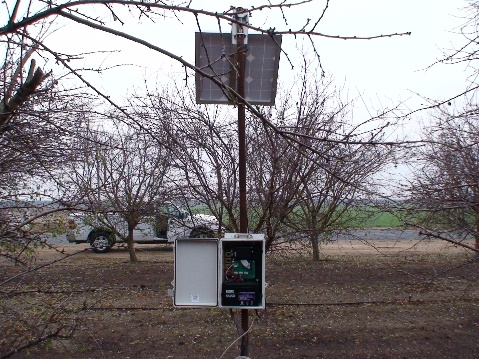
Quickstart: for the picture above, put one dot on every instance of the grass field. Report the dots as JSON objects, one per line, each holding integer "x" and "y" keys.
{"x": 379, "y": 219}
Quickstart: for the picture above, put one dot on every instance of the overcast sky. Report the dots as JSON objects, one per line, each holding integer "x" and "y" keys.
{"x": 381, "y": 69}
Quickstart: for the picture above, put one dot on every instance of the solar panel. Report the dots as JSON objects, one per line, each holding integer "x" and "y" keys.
{"x": 215, "y": 56}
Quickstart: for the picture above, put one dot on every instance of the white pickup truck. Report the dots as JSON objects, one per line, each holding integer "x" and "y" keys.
{"x": 166, "y": 227}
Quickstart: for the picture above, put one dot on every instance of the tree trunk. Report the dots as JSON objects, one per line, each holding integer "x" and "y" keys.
{"x": 315, "y": 245}
{"x": 131, "y": 246}
{"x": 476, "y": 238}
{"x": 268, "y": 244}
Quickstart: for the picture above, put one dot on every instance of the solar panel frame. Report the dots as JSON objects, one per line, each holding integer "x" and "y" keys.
{"x": 214, "y": 54}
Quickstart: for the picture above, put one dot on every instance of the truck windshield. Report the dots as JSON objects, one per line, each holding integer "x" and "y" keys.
{"x": 173, "y": 211}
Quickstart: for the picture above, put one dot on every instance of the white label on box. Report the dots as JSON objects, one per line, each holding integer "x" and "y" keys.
{"x": 195, "y": 298}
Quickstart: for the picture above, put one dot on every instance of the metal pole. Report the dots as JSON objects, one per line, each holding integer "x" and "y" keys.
{"x": 242, "y": 137}
{"x": 242, "y": 173}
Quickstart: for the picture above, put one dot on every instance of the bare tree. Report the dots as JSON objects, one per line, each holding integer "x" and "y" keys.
{"x": 38, "y": 118}
{"x": 122, "y": 175}
{"x": 445, "y": 191}
{"x": 333, "y": 166}
{"x": 37, "y": 122}
{"x": 338, "y": 193}
{"x": 440, "y": 196}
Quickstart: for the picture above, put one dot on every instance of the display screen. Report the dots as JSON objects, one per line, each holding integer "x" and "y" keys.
{"x": 246, "y": 296}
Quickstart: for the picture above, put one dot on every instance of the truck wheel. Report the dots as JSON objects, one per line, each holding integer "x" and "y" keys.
{"x": 100, "y": 242}
{"x": 202, "y": 233}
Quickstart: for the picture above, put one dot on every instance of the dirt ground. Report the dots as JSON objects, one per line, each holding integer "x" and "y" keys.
{"x": 376, "y": 299}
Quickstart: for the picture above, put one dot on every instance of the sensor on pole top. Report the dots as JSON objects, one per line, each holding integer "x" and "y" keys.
{"x": 237, "y": 28}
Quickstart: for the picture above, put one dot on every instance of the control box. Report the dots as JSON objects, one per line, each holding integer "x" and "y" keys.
{"x": 241, "y": 271}
{"x": 227, "y": 272}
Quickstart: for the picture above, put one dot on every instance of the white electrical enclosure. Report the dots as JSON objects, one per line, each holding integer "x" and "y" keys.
{"x": 228, "y": 272}
{"x": 196, "y": 273}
